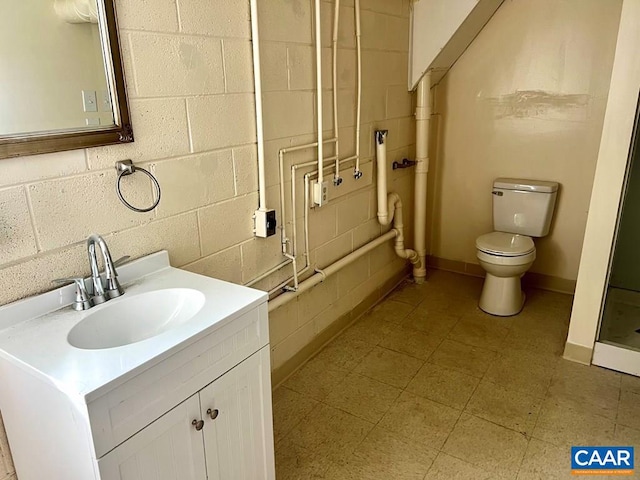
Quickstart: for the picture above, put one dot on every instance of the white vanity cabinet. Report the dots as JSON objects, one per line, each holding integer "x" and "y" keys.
{"x": 222, "y": 432}
{"x": 192, "y": 403}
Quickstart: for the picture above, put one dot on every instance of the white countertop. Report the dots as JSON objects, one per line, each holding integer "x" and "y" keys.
{"x": 33, "y": 331}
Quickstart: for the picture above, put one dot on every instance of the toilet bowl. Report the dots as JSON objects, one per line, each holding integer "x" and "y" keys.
{"x": 505, "y": 257}
{"x": 521, "y": 209}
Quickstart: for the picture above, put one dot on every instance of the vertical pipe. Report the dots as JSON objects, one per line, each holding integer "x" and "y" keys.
{"x": 257, "y": 83}
{"x": 336, "y": 22}
{"x": 283, "y": 233}
{"x": 356, "y": 172}
{"x": 319, "y": 89}
{"x": 381, "y": 161}
{"x": 423, "y": 121}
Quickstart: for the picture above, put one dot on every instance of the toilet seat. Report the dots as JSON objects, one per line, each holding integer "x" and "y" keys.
{"x": 506, "y": 261}
{"x": 503, "y": 244}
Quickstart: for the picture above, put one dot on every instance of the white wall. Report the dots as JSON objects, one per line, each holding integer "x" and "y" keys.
{"x": 607, "y": 186}
{"x": 441, "y": 30}
{"x": 526, "y": 100}
{"x": 45, "y": 63}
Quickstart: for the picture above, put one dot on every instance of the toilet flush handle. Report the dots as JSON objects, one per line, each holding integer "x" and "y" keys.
{"x": 498, "y": 193}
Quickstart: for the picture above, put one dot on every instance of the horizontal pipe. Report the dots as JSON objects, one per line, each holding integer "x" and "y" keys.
{"x": 322, "y": 274}
{"x": 268, "y": 272}
{"x": 297, "y": 148}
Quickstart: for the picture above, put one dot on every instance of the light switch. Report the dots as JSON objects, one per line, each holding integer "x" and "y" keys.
{"x": 89, "y": 101}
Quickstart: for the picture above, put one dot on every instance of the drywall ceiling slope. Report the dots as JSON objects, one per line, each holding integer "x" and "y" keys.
{"x": 441, "y": 30}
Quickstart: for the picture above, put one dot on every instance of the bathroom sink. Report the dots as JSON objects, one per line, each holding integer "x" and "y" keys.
{"x": 132, "y": 319}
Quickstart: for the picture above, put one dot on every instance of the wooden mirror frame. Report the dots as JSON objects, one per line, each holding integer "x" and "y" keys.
{"x": 71, "y": 139}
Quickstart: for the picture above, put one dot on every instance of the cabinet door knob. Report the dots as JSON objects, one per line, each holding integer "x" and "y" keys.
{"x": 199, "y": 424}
{"x": 213, "y": 413}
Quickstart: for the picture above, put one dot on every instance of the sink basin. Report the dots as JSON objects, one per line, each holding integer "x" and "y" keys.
{"x": 132, "y": 319}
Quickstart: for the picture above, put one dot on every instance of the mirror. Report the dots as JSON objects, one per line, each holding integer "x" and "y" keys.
{"x": 61, "y": 77}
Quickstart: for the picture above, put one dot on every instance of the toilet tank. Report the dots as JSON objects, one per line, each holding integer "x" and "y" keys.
{"x": 523, "y": 206}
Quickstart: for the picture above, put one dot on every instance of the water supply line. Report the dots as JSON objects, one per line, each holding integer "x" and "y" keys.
{"x": 257, "y": 83}
{"x": 337, "y": 180}
{"x": 423, "y": 126}
{"x": 357, "y": 173}
{"x": 322, "y": 274}
{"x": 392, "y": 202}
{"x": 318, "y": 41}
{"x": 390, "y": 205}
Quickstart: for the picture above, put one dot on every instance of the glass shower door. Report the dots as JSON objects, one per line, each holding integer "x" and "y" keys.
{"x": 618, "y": 345}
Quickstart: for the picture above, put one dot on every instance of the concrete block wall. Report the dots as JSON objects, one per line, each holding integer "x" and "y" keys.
{"x": 349, "y": 220}
{"x": 189, "y": 78}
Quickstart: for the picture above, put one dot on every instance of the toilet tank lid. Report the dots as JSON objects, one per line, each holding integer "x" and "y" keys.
{"x": 525, "y": 185}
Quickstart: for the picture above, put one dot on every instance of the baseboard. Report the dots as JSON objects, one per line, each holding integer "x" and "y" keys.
{"x": 472, "y": 269}
{"x": 288, "y": 368}
{"x": 578, "y": 353}
{"x": 530, "y": 279}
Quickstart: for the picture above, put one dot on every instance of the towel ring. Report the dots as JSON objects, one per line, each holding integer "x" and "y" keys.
{"x": 126, "y": 167}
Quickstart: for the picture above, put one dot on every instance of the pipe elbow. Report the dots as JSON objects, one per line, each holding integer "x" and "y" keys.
{"x": 407, "y": 254}
{"x": 383, "y": 218}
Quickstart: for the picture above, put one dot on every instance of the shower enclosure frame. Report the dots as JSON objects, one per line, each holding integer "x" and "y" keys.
{"x": 607, "y": 354}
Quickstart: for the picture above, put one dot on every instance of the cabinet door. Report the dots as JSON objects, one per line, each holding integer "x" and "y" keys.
{"x": 239, "y": 441}
{"x": 168, "y": 449}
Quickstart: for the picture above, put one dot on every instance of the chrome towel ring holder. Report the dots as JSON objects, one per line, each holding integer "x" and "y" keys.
{"x": 126, "y": 167}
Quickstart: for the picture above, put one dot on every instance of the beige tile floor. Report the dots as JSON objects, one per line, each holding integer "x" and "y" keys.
{"x": 426, "y": 386}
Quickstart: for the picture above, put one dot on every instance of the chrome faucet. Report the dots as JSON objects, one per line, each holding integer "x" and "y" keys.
{"x": 100, "y": 293}
{"x": 112, "y": 288}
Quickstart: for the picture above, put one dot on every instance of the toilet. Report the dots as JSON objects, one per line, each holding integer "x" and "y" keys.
{"x": 521, "y": 209}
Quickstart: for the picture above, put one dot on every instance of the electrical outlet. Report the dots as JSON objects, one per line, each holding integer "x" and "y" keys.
{"x": 265, "y": 223}
{"x": 320, "y": 193}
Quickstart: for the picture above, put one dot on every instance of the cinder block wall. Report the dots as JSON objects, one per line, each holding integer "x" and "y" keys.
{"x": 189, "y": 78}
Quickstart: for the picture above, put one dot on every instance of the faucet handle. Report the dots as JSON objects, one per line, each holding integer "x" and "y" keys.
{"x": 112, "y": 287}
{"x": 82, "y": 300}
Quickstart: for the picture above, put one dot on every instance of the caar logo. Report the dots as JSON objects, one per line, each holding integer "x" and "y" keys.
{"x": 602, "y": 460}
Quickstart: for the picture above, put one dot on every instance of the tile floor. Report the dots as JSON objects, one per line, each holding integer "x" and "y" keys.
{"x": 426, "y": 386}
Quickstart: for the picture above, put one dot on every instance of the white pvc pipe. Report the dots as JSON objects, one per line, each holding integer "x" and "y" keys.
{"x": 390, "y": 205}
{"x": 423, "y": 126}
{"x": 283, "y": 221}
{"x": 307, "y": 176}
{"x": 257, "y": 83}
{"x": 321, "y": 275}
{"x": 281, "y": 154}
{"x": 381, "y": 162}
{"x": 395, "y": 207}
{"x": 336, "y": 24}
{"x": 318, "y": 40}
{"x": 267, "y": 273}
{"x": 356, "y": 171}
{"x": 294, "y": 226}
